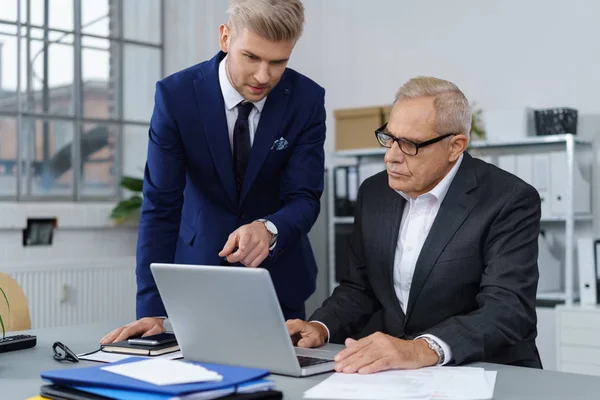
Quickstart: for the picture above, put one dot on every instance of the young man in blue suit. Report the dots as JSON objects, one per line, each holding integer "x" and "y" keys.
{"x": 235, "y": 164}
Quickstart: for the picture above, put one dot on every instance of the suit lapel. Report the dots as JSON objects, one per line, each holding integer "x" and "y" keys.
{"x": 455, "y": 208}
{"x": 390, "y": 223}
{"x": 268, "y": 130}
{"x": 212, "y": 110}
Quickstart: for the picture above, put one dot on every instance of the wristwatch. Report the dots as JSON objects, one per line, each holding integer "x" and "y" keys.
{"x": 271, "y": 228}
{"x": 433, "y": 345}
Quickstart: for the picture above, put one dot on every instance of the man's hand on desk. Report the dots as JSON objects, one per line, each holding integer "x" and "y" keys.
{"x": 306, "y": 334}
{"x": 252, "y": 242}
{"x": 381, "y": 352}
{"x": 141, "y": 327}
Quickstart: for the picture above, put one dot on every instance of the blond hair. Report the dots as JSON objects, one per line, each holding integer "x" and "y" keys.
{"x": 274, "y": 20}
{"x": 453, "y": 113}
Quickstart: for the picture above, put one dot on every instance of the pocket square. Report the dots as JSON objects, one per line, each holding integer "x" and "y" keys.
{"x": 280, "y": 144}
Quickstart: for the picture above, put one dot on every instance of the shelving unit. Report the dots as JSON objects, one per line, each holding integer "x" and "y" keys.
{"x": 578, "y": 153}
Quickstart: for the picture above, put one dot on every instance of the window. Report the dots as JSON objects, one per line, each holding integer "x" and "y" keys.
{"x": 76, "y": 89}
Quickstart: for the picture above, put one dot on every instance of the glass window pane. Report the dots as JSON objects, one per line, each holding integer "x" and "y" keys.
{"x": 141, "y": 20}
{"x": 141, "y": 71}
{"x": 8, "y": 28}
{"x": 98, "y": 17}
{"x": 9, "y": 10}
{"x": 100, "y": 79}
{"x": 8, "y": 157}
{"x": 60, "y": 13}
{"x": 53, "y": 95}
{"x": 98, "y": 172}
{"x": 8, "y": 73}
{"x": 48, "y": 157}
{"x": 135, "y": 149}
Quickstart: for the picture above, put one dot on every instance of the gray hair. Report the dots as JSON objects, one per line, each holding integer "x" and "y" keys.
{"x": 452, "y": 109}
{"x": 274, "y": 20}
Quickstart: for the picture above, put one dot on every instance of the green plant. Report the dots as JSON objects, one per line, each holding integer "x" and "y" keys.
{"x": 129, "y": 209}
{"x": 476, "y": 124}
{"x": 1, "y": 321}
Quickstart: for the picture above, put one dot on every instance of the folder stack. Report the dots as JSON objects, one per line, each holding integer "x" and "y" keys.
{"x": 121, "y": 383}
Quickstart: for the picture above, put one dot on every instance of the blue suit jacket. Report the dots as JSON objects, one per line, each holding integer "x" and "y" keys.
{"x": 190, "y": 202}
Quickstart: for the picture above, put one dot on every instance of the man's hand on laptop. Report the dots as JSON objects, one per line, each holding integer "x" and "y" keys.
{"x": 141, "y": 327}
{"x": 306, "y": 334}
{"x": 252, "y": 242}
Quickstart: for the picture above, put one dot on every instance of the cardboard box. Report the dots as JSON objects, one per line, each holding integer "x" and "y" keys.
{"x": 355, "y": 127}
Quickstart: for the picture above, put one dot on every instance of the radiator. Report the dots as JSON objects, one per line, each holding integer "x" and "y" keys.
{"x": 72, "y": 292}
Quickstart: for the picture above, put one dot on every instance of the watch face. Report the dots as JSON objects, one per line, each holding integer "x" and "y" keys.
{"x": 271, "y": 227}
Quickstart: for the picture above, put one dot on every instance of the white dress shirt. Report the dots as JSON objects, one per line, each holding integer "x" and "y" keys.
{"x": 232, "y": 98}
{"x": 417, "y": 219}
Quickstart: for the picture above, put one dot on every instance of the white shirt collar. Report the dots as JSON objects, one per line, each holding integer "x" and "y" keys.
{"x": 231, "y": 96}
{"x": 440, "y": 190}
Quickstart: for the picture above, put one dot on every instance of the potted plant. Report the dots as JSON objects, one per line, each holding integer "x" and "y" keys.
{"x": 477, "y": 130}
{"x": 129, "y": 209}
{"x": 8, "y": 304}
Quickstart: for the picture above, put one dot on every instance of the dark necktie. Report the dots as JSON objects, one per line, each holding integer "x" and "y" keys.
{"x": 241, "y": 143}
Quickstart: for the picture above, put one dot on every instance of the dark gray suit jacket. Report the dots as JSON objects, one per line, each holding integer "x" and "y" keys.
{"x": 476, "y": 277}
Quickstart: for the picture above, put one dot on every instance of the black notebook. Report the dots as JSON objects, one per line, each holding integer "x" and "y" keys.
{"x": 135, "y": 349}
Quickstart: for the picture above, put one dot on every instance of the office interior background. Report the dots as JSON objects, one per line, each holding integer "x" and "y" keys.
{"x": 77, "y": 81}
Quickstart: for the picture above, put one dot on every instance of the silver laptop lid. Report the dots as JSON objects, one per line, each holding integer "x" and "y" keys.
{"x": 227, "y": 315}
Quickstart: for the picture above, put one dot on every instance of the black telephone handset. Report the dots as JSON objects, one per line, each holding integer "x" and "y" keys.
{"x": 153, "y": 340}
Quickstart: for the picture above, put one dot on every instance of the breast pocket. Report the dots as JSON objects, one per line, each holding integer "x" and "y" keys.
{"x": 459, "y": 252}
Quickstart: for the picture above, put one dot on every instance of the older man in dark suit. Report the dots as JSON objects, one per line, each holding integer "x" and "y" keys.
{"x": 444, "y": 244}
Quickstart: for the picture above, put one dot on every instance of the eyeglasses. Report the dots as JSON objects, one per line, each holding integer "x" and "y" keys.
{"x": 408, "y": 147}
{"x": 63, "y": 353}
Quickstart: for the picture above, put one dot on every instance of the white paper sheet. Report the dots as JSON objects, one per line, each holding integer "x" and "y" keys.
{"x": 161, "y": 372}
{"x": 105, "y": 357}
{"x": 436, "y": 383}
{"x": 381, "y": 386}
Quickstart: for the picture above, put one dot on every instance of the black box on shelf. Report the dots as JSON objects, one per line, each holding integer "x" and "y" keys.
{"x": 555, "y": 121}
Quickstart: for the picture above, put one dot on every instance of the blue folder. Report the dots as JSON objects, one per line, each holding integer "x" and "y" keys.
{"x": 95, "y": 376}
{"x": 248, "y": 387}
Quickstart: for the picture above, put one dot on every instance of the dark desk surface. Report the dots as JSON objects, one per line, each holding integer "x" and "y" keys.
{"x": 20, "y": 371}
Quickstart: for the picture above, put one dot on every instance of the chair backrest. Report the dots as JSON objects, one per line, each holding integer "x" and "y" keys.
{"x": 18, "y": 319}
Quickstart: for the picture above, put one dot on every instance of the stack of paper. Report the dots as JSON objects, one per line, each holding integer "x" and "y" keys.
{"x": 102, "y": 356}
{"x": 435, "y": 383}
{"x": 165, "y": 372}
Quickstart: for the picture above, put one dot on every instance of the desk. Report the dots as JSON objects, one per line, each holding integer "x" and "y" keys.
{"x": 20, "y": 371}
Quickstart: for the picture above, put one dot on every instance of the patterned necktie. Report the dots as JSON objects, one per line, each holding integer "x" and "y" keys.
{"x": 241, "y": 143}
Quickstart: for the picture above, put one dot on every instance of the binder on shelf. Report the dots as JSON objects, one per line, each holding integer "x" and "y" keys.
{"x": 352, "y": 175}
{"x": 343, "y": 232}
{"x": 588, "y": 256}
{"x": 341, "y": 192}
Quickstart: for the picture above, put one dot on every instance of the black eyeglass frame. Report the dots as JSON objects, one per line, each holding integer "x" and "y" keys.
{"x": 418, "y": 146}
{"x": 68, "y": 354}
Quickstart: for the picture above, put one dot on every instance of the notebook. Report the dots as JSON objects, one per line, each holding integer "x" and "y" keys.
{"x": 135, "y": 349}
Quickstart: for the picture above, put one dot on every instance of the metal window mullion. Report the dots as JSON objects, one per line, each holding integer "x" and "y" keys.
{"x": 30, "y": 149}
{"x": 162, "y": 38}
{"x": 19, "y": 120}
{"x": 120, "y": 150}
{"x": 76, "y": 163}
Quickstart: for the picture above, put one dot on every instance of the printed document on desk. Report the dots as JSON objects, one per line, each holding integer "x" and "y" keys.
{"x": 104, "y": 357}
{"x": 435, "y": 383}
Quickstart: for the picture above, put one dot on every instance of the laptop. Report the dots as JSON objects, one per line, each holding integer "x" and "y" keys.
{"x": 231, "y": 315}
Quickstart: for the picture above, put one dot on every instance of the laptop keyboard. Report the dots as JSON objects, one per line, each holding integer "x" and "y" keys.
{"x": 310, "y": 361}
